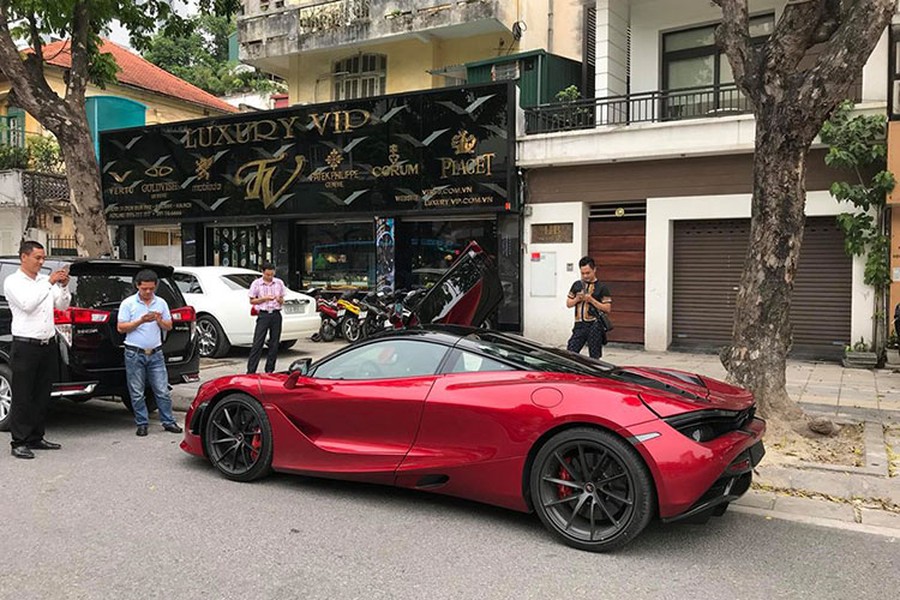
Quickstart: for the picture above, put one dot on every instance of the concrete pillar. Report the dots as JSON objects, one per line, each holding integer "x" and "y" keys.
{"x": 613, "y": 21}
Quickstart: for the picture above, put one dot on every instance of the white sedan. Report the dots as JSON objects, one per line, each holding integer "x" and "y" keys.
{"x": 219, "y": 295}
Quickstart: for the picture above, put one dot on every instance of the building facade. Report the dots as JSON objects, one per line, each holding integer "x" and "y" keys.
{"x": 653, "y": 178}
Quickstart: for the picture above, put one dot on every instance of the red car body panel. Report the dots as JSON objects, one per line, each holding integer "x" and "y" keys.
{"x": 476, "y": 430}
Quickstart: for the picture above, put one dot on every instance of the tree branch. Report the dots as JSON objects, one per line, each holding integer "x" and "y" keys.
{"x": 78, "y": 74}
{"x": 844, "y": 55}
{"x": 801, "y": 26}
{"x": 733, "y": 37}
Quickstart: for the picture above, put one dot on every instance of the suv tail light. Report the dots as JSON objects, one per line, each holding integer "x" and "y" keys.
{"x": 185, "y": 314}
{"x": 64, "y": 319}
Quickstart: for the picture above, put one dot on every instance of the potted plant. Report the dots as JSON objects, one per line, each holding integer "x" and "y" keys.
{"x": 860, "y": 356}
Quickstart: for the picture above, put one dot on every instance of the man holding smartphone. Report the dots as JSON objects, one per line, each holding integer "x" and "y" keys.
{"x": 588, "y": 297}
{"x": 34, "y": 356}
{"x": 267, "y": 295}
{"x": 142, "y": 318}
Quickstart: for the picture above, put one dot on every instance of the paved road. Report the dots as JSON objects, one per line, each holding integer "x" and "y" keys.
{"x": 116, "y": 516}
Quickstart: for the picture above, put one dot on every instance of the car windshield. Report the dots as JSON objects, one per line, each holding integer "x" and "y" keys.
{"x": 534, "y": 357}
{"x": 240, "y": 281}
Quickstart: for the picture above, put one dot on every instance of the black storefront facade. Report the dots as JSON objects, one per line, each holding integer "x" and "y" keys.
{"x": 377, "y": 193}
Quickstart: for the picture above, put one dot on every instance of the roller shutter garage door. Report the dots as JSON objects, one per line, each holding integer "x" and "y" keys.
{"x": 708, "y": 257}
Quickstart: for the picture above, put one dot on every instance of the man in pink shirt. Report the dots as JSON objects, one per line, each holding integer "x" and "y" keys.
{"x": 267, "y": 295}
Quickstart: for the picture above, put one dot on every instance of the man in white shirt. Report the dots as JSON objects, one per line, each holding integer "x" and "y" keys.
{"x": 32, "y": 296}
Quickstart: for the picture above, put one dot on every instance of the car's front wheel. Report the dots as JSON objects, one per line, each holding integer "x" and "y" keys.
{"x": 213, "y": 341}
{"x": 286, "y": 345}
{"x": 5, "y": 396}
{"x": 238, "y": 438}
{"x": 591, "y": 489}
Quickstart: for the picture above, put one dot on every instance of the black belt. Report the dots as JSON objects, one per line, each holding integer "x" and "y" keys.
{"x": 147, "y": 351}
{"x": 274, "y": 310}
{"x": 30, "y": 340}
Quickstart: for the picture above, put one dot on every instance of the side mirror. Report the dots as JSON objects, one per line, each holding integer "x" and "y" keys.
{"x": 300, "y": 366}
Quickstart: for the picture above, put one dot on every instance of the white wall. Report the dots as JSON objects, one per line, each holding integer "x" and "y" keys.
{"x": 546, "y": 317}
{"x": 662, "y": 212}
{"x": 13, "y": 211}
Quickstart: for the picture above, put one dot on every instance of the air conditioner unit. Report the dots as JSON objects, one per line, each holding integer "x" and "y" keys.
{"x": 505, "y": 71}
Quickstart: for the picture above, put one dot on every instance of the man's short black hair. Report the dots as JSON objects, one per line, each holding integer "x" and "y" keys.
{"x": 146, "y": 275}
{"x": 29, "y": 246}
{"x": 586, "y": 261}
{"x": 267, "y": 266}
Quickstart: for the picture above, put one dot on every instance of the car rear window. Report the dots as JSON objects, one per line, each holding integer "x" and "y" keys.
{"x": 240, "y": 281}
{"x": 98, "y": 290}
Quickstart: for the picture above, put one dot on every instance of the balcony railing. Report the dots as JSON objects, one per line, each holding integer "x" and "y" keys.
{"x": 645, "y": 107}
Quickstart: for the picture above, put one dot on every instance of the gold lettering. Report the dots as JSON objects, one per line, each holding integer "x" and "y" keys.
{"x": 319, "y": 124}
{"x": 259, "y": 183}
{"x": 288, "y": 125}
{"x": 268, "y": 135}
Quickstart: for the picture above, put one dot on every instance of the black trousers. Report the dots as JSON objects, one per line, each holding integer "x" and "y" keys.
{"x": 34, "y": 369}
{"x": 266, "y": 323}
{"x": 590, "y": 333}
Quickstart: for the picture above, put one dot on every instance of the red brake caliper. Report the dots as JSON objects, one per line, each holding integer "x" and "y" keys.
{"x": 256, "y": 443}
{"x": 564, "y": 491}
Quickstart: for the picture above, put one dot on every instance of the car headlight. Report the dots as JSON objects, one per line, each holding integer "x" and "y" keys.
{"x": 705, "y": 425}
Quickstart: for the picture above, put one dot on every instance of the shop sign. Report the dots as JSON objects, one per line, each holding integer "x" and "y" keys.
{"x": 551, "y": 233}
{"x": 446, "y": 149}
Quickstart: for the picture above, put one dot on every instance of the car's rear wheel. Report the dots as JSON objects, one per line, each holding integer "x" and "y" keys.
{"x": 5, "y": 396}
{"x": 213, "y": 341}
{"x": 238, "y": 438}
{"x": 591, "y": 489}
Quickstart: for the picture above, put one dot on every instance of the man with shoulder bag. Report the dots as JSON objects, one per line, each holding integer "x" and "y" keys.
{"x": 592, "y": 302}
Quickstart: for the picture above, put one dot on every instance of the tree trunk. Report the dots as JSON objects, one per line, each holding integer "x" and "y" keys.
{"x": 83, "y": 176}
{"x": 757, "y": 356}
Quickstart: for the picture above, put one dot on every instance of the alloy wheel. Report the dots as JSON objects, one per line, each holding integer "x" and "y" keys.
{"x": 208, "y": 337}
{"x": 5, "y": 398}
{"x": 239, "y": 438}
{"x": 588, "y": 490}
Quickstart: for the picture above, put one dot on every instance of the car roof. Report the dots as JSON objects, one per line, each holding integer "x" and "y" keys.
{"x": 216, "y": 270}
{"x": 95, "y": 265}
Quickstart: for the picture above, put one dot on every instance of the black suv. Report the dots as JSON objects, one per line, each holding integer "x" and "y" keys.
{"x": 91, "y": 354}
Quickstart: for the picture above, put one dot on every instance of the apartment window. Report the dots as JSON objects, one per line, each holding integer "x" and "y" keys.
{"x": 691, "y": 60}
{"x": 360, "y": 76}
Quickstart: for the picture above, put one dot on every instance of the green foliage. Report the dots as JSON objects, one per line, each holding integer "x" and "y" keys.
{"x": 856, "y": 143}
{"x": 13, "y": 157}
{"x": 198, "y": 53}
{"x": 44, "y": 154}
{"x": 34, "y": 21}
{"x": 569, "y": 94}
{"x": 39, "y": 154}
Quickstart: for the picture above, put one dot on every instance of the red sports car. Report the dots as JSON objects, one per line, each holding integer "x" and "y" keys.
{"x": 595, "y": 450}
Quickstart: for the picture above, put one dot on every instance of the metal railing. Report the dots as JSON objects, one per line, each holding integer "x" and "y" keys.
{"x": 62, "y": 246}
{"x": 644, "y": 107}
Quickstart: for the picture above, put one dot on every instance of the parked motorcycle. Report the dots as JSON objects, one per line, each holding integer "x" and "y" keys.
{"x": 350, "y": 322}
{"x": 330, "y": 314}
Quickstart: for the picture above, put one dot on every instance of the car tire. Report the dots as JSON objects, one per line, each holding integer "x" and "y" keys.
{"x": 287, "y": 345}
{"x": 149, "y": 400}
{"x": 238, "y": 438}
{"x": 350, "y": 329}
{"x": 213, "y": 341}
{"x": 5, "y": 396}
{"x": 611, "y": 496}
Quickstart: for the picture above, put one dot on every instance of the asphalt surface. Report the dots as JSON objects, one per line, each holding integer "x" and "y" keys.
{"x": 117, "y": 516}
